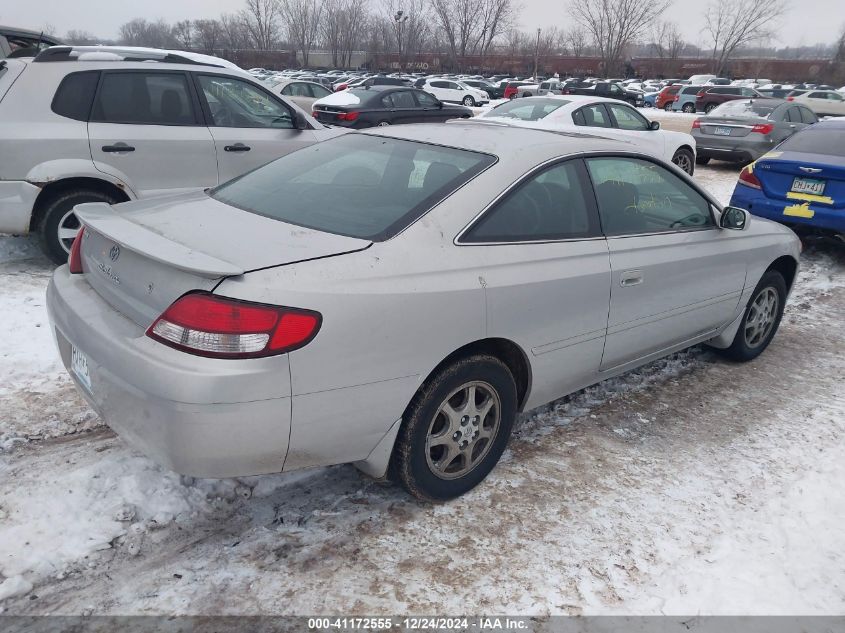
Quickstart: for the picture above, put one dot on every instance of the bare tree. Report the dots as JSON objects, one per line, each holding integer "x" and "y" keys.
{"x": 81, "y": 38}
{"x": 460, "y": 21}
{"x": 233, "y": 32}
{"x": 302, "y": 21}
{"x": 208, "y": 35}
{"x": 732, "y": 24}
{"x": 575, "y": 41}
{"x": 183, "y": 31}
{"x": 140, "y": 32}
{"x": 614, "y": 24}
{"x": 839, "y": 48}
{"x": 341, "y": 26}
{"x": 261, "y": 19}
{"x": 497, "y": 16}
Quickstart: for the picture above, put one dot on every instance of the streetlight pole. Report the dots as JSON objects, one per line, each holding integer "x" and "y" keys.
{"x": 537, "y": 54}
{"x": 400, "y": 19}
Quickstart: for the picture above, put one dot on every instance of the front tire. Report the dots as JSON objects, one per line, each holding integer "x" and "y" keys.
{"x": 455, "y": 429}
{"x": 688, "y": 108}
{"x": 761, "y": 319}
{"x": 684, "y": 159}
{"x": 59, "y": 225}
{"x": 383, "y": 123}
{"x": 469, "y": 101}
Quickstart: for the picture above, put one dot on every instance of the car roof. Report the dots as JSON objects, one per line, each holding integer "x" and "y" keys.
{"x": 11, "y": 30}
{"x": 837, "y": 123}
{"x": 502, "y": 140}
{"x": 132, "y": 54}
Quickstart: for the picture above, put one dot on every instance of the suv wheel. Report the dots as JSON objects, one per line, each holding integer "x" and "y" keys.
{"x": 668, "y": 106}
{"x": 689, "y": 108}
{"x": 59, "y": 224}
{"x": 469, "y": 101}
{"x": 455, "y": 429}
{"x": 709, "y": 108}
{"x": 684, "y": 159}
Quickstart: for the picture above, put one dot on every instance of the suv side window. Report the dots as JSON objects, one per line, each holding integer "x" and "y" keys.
{"x": 147, "y": 98}
{"x": 439, "y": 84}
{"x": 636, "y": 196}
{"x": 748, "y": 92}
{"x": 236, "y": 103}
{"x": 547, "y": 206}
{"x": 75, "y": 94}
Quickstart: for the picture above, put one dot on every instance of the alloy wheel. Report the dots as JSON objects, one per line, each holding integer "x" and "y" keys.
{"x": 463, "y": 430}
{"x": 68, "y": 228}
{"x": 761, "y": 317}
{"x": 683, "y": 161}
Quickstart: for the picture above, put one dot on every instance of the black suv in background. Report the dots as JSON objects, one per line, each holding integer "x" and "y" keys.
{"x": 22, "y": 42}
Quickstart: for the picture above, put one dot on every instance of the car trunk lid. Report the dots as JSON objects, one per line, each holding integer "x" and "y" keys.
{"x": 802, "y": 177}
{"x": 142, "y": 256}
{"x": 729, "y": 127}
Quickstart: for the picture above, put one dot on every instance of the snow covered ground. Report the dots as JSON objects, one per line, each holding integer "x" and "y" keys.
{"x": 691, "y": 486}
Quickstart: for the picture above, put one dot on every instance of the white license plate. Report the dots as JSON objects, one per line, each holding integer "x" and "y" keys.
{"x": 808, "y": 185}
{"x": 722, "y": 131}
{"x": 79, "y": 365}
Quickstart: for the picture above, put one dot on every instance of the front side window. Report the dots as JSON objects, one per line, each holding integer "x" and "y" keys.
{"x": 144, "y": 98}
{"x": 808, "y": 116}
{"x": 357, "y": 185}
{"x": 236, "y": 103}
{"x": 628, "y": 118}
{"x": 637, "y": 196}
{"x": 296, "y": 89}
{"x": 426, "y": 100}
{"x": 401, "y": 99}
{"x": 547, "y": 206}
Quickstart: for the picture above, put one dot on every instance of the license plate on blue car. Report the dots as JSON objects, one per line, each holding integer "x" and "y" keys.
{"x": 808, "y": 185}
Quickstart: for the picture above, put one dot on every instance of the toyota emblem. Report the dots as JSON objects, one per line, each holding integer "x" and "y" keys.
{"x": 114, "y": 253}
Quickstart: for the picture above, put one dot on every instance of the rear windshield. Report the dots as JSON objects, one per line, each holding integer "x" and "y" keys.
{"x": 690, "y": 89}
{"x": 527, "y": 110}
{"x": 745, "y": 109}
{"x": 369, "y": 187}
{"x": 816, "y": 140}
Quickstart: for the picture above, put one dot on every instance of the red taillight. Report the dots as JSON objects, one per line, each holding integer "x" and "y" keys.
{"x": 314, "y": 113}
{"x": 74, "y": 262}
{"x": 700, "y": 94}
{"x": 747, "y": 177}
{"x": 790, "y": 98}
{"x": 207, "y": 325}
{"x": 696, "y": 124}
{"x": 763, "y": 128}
{"x": 347, "y": 116}
{"x": 677, "y": 98}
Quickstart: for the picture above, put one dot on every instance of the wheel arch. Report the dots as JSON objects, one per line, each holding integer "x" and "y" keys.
{"x": 787, "y": 266}
{"x": 53, "y": 188}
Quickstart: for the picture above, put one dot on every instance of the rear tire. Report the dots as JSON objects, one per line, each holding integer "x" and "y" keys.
{"x": 761, "y": 319}
{"x": 383, "y": 123}
{"x": 688, "y": 108}
{"x": 702, "y": 160}
{"x": 709, "y": 108}
{"x": 668, "y": 107}
{"x": 58, "y": 226}
{"x": 684, "y": 159}
{"x": 450, "y": 440}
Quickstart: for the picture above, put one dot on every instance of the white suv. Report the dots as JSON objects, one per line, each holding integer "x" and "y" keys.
{"x": 104, "y": 124}
{"x": 450, "y": 91}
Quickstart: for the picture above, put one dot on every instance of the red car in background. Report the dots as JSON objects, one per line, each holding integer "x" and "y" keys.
{"x": 666, "y": 97}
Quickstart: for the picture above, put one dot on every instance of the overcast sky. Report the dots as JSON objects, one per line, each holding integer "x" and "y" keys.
{"x": 808, "y": 21}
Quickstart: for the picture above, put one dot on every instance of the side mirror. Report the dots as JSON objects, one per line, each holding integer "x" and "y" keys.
{"x": 655, "y": 125}
{"x": 734, "y": 218}
{"x": 439, "y": 105}
{"x": 299, "y": 121}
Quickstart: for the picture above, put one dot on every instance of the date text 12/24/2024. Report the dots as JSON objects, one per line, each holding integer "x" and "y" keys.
{"x": 418, "y": 624}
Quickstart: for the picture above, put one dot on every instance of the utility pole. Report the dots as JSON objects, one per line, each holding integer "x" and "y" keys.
{"x": 400, "y": 19}
{"x": 537, "y": 54}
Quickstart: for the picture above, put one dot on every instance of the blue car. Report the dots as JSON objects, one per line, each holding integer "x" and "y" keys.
{"x": 801, "y": 182}
{"x": 650, "y": 99}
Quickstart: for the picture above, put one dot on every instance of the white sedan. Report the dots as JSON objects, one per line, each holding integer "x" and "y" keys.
{"x": 616, "y": 119}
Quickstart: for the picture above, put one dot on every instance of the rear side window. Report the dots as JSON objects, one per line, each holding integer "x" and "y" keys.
{"x": 145, "y": 98}
{"x": 808, "y": 116}
{"x": 548, "y": 206}
{"x": 356, "y": 185}
{"x": 74, "y": 95}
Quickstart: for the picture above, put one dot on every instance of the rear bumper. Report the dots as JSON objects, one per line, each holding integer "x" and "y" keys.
{"x": 197, "y": 416}
{"x": 17, "y": 198}
{"x": 789, "y": 212}
{"x": 738, "y": 149}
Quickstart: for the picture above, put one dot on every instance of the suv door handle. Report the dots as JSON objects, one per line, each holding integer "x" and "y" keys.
{"x": 631, "y": 278}
{"x": 118, "y": 147}
{"x": 237, "y": 147}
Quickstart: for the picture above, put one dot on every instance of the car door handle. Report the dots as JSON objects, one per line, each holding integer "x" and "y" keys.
{"x": 118, "y": 147}
{"x": 631, "y": 278}
{"x": 237, "y": 147}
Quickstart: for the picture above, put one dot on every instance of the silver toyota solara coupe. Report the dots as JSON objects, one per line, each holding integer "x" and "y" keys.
{"x": 395, "y": 297}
